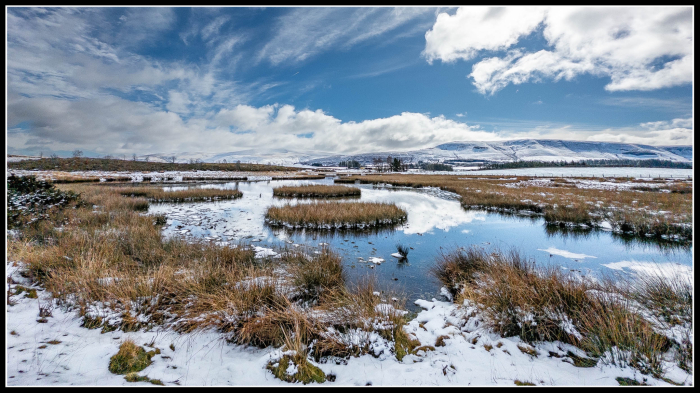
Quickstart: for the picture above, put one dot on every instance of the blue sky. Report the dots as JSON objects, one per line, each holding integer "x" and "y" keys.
{"x": 343, "y": 80}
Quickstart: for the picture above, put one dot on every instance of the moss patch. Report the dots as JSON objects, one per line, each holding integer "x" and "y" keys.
{"x": 524, "y": 383}
{"x": 130, "y": 359}
{"x": 580, "y": 361}
{"x": 629, "y": 382}
{"x": 305, "y": 371}
{"x": 135, "y": 377}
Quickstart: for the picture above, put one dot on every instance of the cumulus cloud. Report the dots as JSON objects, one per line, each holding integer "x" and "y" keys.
{"x": 473, "y": 29}
{"x": 638, "y": 48}
{"x": 126, "y": 127}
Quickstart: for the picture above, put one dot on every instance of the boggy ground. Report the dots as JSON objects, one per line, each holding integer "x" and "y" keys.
{"x": 97, "y": 257}
{"x": 650, "y": 208}
{"x": 100, "y": 258}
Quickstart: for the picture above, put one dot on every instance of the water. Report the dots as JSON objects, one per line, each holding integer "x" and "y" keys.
{"x": 436, "y": 223}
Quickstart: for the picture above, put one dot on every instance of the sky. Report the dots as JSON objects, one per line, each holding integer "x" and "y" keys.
{"x": 123, "y": 81}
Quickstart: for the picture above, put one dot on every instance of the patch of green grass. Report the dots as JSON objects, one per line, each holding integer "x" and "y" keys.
{"x": 305, "y": 371}
{"x": 131, "y": 358}
{"x": 523, "y": 383}
{"x": 29, "y": 292}
{"x": 581, "y": 361}
{"x": 135, "y": 377}
{"x": 623, "y": 381}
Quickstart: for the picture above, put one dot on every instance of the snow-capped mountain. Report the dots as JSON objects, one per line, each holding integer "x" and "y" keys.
{"x": 523, "y": 150}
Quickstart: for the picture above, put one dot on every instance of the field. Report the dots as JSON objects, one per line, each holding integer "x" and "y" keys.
{"x": 114, "y": 165}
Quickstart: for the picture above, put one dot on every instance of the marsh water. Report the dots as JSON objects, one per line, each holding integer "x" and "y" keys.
{"x": 436, "y": 223}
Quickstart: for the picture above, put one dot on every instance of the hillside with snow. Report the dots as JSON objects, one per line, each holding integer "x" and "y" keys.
{"x": 524, "y": 150}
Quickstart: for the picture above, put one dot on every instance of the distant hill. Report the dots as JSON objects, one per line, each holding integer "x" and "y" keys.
{"x": 474, "y": 153}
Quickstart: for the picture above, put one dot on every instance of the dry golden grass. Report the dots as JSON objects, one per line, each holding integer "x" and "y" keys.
{"x": 108, "y": 253}
{"x": 563, "y": 203}
{"x": 319, "y": 191}
{"x": 158, "y": 194}
{"x": 336, "y": 214}
{"x": 603, "y": 318}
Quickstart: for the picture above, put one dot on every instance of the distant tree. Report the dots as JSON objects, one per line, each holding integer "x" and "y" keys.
{"x": 77, "y": 153}
{"x": 396, "y": 165}
{"x": 54, "y": 156}
{"x": 238, "y": 165}
{"x": 41, "y": 154}
{"x": 133, "y": 158}
{"x": 172, "y": 159}
{"x": 147, "y": 158}
{"x": 223, "y": 161}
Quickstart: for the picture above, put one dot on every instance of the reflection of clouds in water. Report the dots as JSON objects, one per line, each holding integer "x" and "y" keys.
{"x": 670, "y": 270}
{"x": 425, "y": 212}
{"x": 244, "y": 217}
{"x": 565, "y": 254}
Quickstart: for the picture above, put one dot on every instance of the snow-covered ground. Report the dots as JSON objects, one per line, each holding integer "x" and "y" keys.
{"x": 60, "y": 352}
{"x": 637, "y": 173}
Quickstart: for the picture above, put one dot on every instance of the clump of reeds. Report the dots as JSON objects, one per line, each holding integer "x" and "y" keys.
{"x": 157, "y": 194}
{"x": 402, "y": 250}
{"x": 603, "y": 318}
{"x": 336, "y": 214}
{"x": 313, "y": 276}
{"x": 305, "y": 371}
{"x": 315, "y": 191}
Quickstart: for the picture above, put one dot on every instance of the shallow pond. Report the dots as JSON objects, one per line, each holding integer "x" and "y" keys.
{"x": 436, "y": 222}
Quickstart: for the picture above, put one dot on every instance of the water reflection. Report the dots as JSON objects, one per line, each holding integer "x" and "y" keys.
{"x": 436, "y": 222}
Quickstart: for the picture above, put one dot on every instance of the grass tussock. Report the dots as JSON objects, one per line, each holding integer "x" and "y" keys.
{"x": 336, "y": 215}
{"x": 131, "y": 358}
{"x": 157, "y": 194}
{"x": 315, "y": 191}
{"x": 612, "y": 323}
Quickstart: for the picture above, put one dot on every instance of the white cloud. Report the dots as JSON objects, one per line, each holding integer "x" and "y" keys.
{"x": 472, "y": 29}
{"x": 639, "y": 48}
{"x": 305, "y": 32}
{"x": 127, "y": 127}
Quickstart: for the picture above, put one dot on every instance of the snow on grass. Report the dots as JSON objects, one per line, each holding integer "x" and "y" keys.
{"x": 455, "y": 350}
{"x": 565, "y": 254}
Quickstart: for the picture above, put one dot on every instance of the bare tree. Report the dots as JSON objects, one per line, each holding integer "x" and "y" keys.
{"x": 133, "y": 158}
{"x": 172, "y": 159}
{"x": 77, "y": 153}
